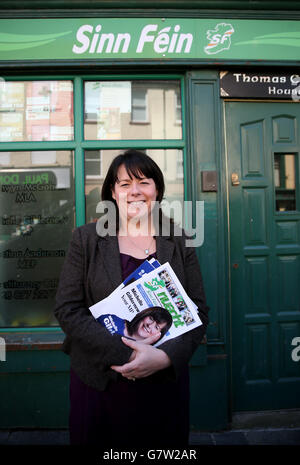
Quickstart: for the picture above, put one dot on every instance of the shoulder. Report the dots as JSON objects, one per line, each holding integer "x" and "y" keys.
{"x": 85, "y": 231}
{"x": 179, "y": 236}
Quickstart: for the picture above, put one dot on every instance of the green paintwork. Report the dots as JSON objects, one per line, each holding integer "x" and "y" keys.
{"x": 34, "y": 389}
{"x": 170, "y": 5}
{"x": 265, "y": 257}
{"x": 166, "y": 38}
{"x": 209, "y": 383}
{"x": 209, "y": 409}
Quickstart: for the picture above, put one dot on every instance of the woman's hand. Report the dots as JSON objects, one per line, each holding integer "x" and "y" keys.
{"x": 144, "y": 361}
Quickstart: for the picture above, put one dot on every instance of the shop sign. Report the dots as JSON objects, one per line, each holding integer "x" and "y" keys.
{"x": 264, "y": 85}
{"x": 148, "y": 38}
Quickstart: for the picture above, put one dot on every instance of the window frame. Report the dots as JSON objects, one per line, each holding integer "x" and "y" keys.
{"x": 78, "y": 145}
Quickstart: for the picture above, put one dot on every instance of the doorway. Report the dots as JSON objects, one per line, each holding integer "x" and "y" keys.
{"x": 263, "y": 166}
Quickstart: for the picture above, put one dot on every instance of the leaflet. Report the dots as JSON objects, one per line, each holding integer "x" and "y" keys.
{"x": 145, "y": 267}
{"x": 158, "y": 288}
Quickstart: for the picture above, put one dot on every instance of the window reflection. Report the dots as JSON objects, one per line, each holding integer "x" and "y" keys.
{"x": 132, "y": 110}
{"x": 37, "y": 218}
{"x": 170, "y": 162}
{"x": 36, "y": 111}
{"x": 285, "y": 182}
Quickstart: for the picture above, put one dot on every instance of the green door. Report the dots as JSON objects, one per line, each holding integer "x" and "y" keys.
{"x": 263, "y": 161}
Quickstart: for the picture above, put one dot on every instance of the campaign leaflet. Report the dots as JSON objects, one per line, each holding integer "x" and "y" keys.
{"x": 160, "y": 287}
{"x": 145, "y": 267}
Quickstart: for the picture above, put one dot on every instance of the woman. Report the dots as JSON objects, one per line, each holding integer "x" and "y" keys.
{"x": 146, "y": 324}
{"x": 119, "y": 387}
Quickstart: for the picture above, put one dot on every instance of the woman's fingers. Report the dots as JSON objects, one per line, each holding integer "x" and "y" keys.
{"x": 126, "y": 368}
{"x": 147, "y": 361}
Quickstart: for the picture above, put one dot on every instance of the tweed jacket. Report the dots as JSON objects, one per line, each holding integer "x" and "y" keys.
{"x": 91, "y": 271}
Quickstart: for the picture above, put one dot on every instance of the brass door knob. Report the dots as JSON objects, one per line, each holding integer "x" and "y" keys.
{"x": 235, "y": 179}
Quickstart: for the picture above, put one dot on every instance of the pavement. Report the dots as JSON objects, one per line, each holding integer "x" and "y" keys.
{"x": 238, "y": 437}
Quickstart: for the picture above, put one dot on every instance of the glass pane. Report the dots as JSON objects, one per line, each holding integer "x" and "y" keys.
{"x": 37, "y": 218}
{"x": 285, "y": 181}
{"x": 92, "y": 164}
{"x": 132, "y": 110}
{"x": 139, "y": 114}
{"x": 36, "y": 111}
{"x": 170, "y": 162}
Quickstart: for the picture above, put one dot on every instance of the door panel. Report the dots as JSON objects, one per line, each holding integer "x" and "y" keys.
{"x": 263, "y": 145}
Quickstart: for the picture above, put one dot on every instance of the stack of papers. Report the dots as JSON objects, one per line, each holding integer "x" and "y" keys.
{"x": 150, "y": 285}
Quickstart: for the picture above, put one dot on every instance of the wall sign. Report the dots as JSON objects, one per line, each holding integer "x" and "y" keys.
{"x": 148, "y": 38}
{"x": 243, "y": 84}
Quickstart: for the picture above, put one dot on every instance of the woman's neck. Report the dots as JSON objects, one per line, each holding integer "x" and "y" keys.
{"x": 136, "y": 229}
{"x": 138, "y": 246}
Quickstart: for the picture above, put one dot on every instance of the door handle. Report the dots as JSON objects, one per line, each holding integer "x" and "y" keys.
{"x": 235, "y": 179}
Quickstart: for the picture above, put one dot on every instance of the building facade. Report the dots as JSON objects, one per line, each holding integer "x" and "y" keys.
{"x": 211, "y": 91}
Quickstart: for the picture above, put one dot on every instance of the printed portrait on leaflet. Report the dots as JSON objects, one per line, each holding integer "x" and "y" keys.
{"x": 147, "y": 323}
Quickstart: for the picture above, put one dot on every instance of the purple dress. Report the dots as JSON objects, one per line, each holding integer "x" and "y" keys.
{"x": 139, "y": 413}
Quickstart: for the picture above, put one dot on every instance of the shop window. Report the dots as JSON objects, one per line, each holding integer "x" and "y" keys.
{"x": 139, "y": 110}
{"x": 167, "y": 160}
{"x": 37, "y": 218}
{"x": 113, "y": 110}
{"x": 4, "y": 159}
{"x": 36, "y": 111}
{"x": 180, "y": 172}
{"x": 178, "y": 107}
{"x": 285, "y": 181}
{"x": 43, "y": 158}
{"x": 40, "y": 151}
{"x": 92, "y": 164}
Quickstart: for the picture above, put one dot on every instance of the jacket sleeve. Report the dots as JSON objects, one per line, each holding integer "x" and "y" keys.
{"x": 181, "y": 348}
{"x": 75, "y": 319}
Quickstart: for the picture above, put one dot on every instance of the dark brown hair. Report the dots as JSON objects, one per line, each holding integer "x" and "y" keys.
{"x": 136, "y": 163}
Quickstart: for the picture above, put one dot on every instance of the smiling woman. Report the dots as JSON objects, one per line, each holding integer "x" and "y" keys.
{"x": 134, "y": 195}
{"x": 104, "y": 401}
{"x": 136, "y": 185}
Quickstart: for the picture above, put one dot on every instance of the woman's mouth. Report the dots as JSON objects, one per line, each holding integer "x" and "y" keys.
{"x": 137, "y": 203}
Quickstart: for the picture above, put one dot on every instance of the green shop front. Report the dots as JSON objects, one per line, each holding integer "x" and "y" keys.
{"x": 215, "y": 101}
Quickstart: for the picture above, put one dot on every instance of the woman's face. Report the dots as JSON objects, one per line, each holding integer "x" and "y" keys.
{"x": 133, "y": 195}
{"x": 148, "y": 327}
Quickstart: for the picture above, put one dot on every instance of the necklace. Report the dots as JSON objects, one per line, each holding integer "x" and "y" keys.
{"x": 147, "y": 250}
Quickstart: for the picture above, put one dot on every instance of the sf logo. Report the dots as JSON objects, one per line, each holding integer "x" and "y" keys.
{"x": 219, "y": 38}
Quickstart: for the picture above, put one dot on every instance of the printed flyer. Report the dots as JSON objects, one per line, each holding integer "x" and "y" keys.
{"x": 157, "y": 288}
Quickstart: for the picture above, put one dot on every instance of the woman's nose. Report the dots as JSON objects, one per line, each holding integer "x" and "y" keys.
{"x": 135, "y": 188}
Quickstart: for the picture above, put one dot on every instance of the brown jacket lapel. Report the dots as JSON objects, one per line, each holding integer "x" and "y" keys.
{"x": 164, "y": 249}
{"x": 111, "y": 259}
